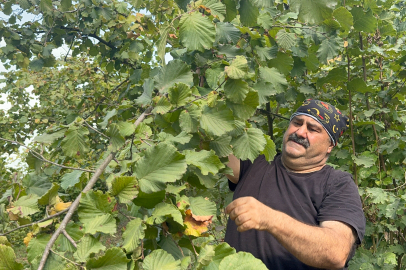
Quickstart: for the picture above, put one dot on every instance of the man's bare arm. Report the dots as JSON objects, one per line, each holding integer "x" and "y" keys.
{"x": 326, "y": 246}
{"x": 234, "y": 164}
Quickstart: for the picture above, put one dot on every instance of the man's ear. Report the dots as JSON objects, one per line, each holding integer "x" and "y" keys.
{"x": 330, "y": 148}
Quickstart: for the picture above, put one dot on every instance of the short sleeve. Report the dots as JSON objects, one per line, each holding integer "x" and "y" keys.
{"x": 244, "y": 166}
{"x": 343, "y": 203}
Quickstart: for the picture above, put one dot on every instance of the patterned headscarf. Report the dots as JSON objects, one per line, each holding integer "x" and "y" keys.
{"x": 333, "y": 121}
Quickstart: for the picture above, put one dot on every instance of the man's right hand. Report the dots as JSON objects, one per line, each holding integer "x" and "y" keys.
{"x": 234, "y": 164}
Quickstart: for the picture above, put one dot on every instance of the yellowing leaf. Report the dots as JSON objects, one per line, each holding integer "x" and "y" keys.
{"x": 62, "y": 206}
{"x": 28, "y": 238}
{"x": 196, "y": 225}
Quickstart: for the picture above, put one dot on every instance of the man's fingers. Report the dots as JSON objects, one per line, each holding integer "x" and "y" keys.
{"x": 248, "y": 225}
{"x": 236, "y": 203}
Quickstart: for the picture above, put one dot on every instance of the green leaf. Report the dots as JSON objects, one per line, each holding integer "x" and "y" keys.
{"x": 329, "y": 49}
{"x": 53, "y": 262}
{"x": 87, "y": 246}
{"x": 196, "y": 32}
{"x": 378, "y": 195}
{"x": 71, "y": 179}
{"x": 221, "y": 146}
{"x": 306, "y": 89}
{"x": 227, "y": 33}
{"x": 241, "y": 261}
{"x": 313, "y": 11}
{"x": 113, "y": 259}
{"x": 163, "y": 33}
{"x": 146, "y": 96}
{"x": 283, "y": 63}
{"x": 217, "y": 120}
{"x": 238, "y": 68}
{"x": 364, "y": 22}
{"x": 106, "y": 119}
{"x": 36, "y": 184}
{"x": 37, "y": 246}
{"x": 75, "y": 231}
{"x": 190, "y": 118}
{"x": 217, "y": 8}
{"x": 37, "y": 64}
{"x": 162, "y": 106}
{"x": 220, "y": 252}
{"x": 273, "y": 76}
{"x": 206, "y": 161}
{"x": 162, "y": 212}
{"x": 366, "y": 159}
{"x": 159, "y": 259}
{"x": 231, "y": 10}
{"x": 175, "y": 72}
{"x": 285, "y": 39}
{"x": 270, "y": 149}
{"x": 249, "y": 145}
{"x": 202, "y": 206}
{"x": 248, "y": 13}
{"x": 45, "y": 5}
{"x": 247, "y": 108}
{"x": 133, "y": 235}
{"x": 49, "y": 198}
{"x": 125, "y": 188}
{"x": 50, "y": 138}
{"x": 179, "y": 94}
{"x": 265, "y": 53}
{"x": 76, "y": 142}
{"x": 66, "y": 5}
{"x": 126, "y": 128}
{"x": 236, "y": 90}
{"x": 116, "y": 140}
{"x": 206, "y": 255}
{"x": 95, "y": 212}
{"x": 344, "y": 17}
{"x": 149, "y": 200}
{"x": 8, "y": 259}
{"x": 263, "y": 3}
{"x": 359, "y": 85}
{"x": 26, "y": 205}
{"x": 161, "y": 164}
{"x": 264, "y": 90}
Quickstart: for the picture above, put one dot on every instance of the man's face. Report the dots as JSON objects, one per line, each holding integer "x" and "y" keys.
{"x": 306, "y": 138}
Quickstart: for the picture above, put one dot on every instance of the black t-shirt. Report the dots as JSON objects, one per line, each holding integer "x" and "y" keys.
{"x": 311, "y": 198}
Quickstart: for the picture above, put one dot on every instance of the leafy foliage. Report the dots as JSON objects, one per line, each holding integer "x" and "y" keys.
{"x": 214, "y": 78}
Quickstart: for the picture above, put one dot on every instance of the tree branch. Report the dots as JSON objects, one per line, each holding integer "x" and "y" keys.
{"x": 41, "y": 157}
{"x": 70, "y": 238}
{"x": 107, "y": 43}
{"x": 36, "y": 222}
{"x": 275, "y": 114}
{"x": 75, "y": 204}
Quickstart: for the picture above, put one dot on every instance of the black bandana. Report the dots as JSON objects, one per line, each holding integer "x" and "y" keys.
{"x": 327, "y": 115}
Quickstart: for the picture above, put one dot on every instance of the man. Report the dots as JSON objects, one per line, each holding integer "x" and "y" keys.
{"x": 297, "y": 212}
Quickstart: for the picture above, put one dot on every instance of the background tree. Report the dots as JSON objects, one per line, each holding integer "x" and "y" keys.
{"x": 138, "y": 145}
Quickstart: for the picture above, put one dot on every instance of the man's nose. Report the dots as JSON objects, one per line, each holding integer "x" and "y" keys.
{"x": 302, "y": 131}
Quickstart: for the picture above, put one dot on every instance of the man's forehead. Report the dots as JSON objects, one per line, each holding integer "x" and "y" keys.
{"x": 307, "y": 119}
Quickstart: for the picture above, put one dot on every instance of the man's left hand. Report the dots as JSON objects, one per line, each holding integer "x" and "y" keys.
{"x": 249, "y": 213}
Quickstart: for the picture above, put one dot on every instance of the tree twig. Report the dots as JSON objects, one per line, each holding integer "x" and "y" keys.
{"x": 36, "y": 222}
{"x": 95, "y": 130}
{"x": 41, "y": 157}
{"x": 56, "y": 253}
{"x": 70, "y": 238}
{"x": 75, "y": 204}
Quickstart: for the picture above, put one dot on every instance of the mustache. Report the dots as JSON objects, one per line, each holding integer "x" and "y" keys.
{"x": 302, "y": 141}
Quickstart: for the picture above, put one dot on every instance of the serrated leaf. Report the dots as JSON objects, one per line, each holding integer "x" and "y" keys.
{"x": 236, "y": 90}
{"x": 126, "y": 128}
{"x": 125, "y": 188}
{"x": 179, "y": 94}
{"x": 206, "y": 255}
{"x": 37, "y": 246}
{"x": 363, "y": 21}
{"x": 162, "y": 106}
{"x": 159, "y": 259}
{"x": 8, "y": 259}
{"x": 231, "y": 10}
{"x": 270, "y": 149}
{"x": 248, "y": 13}
{"x": 53, "y": 262}
{"x": 329, "y": 49}
{"x": 366, "y": 159}
{"x": 133, "y": 234}
{"x": 266, "y": 53}
{"x": 49, "y": 198}
{"x": 45, "y": 5}
{"x": 206, "y": 161}
{"x": 241, "y": 261}
{"x": 273, "y": 76}
{"x": 74, "y": 231}
{"x": 311, "y": 11}
{"x": 50, "y": 138}
{"x": 189, "y": 119}
{"x": 176, "y": 71}
{"x": 146, "y": 96}
{"x": 264, "y": 89}
{"x": 113, "y": 259}
{"x": 149, "y": 200}
{"x": 95, "y": 212}
{"x": 249, "y": 145}
{"x": 378, "y": 195}
{"x": 359, "y": 85}
{"x": 163, "y": 33}
{"x": 36, "y": 184}
{"x": 152, "y": 172}
{"x": 217, "y": 8}
{"x": 196, "y": 32}
{"x": 285, "y": 39}
{"x": 306, "y": 89}
{"x": 344, "y": 17}
{"x": 107, "y": 117}
{"x": 202, "y": 206}
{"x": 221, "y": 146}
{"x": 217, "y": 120}
{"x": 26, "y": 205}
{"x": 116, "y": 140}
{"x": 88, "y": 245}
{"x": 238, "y": 68}
{"x": 227, "y": 33}
{"x": 220, "y": 252}
{"x": 76, "y": 142}
{"x": 163, "y": 211}
{"x": 71, "y": 179}
{"x": 247, "y": 108}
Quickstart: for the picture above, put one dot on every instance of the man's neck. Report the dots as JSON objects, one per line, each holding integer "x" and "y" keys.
{"x": 301, "y": 167}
